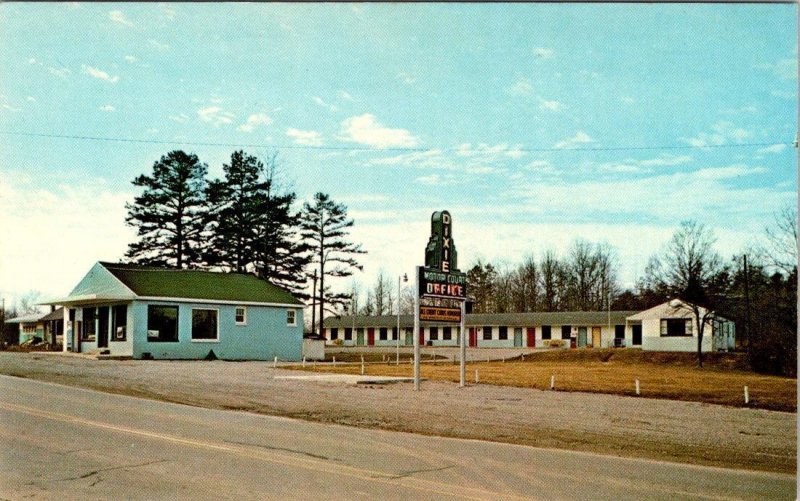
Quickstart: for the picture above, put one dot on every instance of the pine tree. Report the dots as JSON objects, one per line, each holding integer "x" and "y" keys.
{"x": 236, "y": 216}
{"x": 170, "y": 214}
{"x": 324, "y": 225}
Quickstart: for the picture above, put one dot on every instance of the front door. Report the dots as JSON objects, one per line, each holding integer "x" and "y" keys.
{"x": 596, "y": 337}
{"x": 422, "y": 336}
{"x": 409, "y": 337}
{"x": 102, "y": 321}
{"x": 473, "y": 337}
{"x": 531, "y": 337}
{"x": 637, "y": 334}
{"x": 371, "y": 336}
{"x": 360, "y": 337}
{"x": 517, "y": 337}
{"x": 581, "y": 337}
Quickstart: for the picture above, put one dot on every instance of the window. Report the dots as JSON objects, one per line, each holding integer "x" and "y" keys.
{"x": 204, "y": 325}
{"x": 676, "y": 327}
{"x": 566, "y": 331}
{"x": 89, "y": 314}
{"x": 162, "y": 323}
{"x": 334, "y": 333}
{"x": 619, "y": 332}
{"x": 291, "y": 317}
{"x": 119, "y": 322}
{"x": 546, "y": 332}
{"x": 487, "y": 333}
{"x": 383, "y": 333}
{"x": 434, "y": 333}
{"x": 502, "y": 332}
{"x": 348, "y": 334}
{"x": 637, "y": 334}
{"x": 241, "y": 315}
{"x": 447, "y": 333}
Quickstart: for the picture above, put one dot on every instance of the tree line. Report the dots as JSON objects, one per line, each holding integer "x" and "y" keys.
{"x": 245, "y": 222}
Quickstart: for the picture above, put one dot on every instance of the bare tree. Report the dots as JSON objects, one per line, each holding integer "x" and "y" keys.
{"x": 27, "y": 303}
{"x": 550, "y": 279}
{"x": 690, "y": 269}
{"x": 781, "y": 246}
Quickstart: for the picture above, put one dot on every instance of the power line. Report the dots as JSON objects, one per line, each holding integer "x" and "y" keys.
{"x": 357, "y": 148}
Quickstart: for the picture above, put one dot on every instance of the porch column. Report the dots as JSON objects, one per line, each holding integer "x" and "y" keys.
{"x": 64, "y": 334}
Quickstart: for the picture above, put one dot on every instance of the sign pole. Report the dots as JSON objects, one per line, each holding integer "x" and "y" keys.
{"x": 463, "y": 347}
{"x": 416, "y": 331}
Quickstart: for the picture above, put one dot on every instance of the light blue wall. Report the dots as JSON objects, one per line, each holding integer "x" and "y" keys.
{"x": 265, "y": 336}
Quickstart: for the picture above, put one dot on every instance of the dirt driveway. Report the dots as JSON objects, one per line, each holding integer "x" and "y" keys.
{"x": 625, "y": 426}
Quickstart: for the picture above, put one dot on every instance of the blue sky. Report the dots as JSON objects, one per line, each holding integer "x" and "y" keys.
{"x": 532, "y": 124}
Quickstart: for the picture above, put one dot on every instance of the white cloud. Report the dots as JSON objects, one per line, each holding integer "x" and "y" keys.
{"x": 152, "y": 131}
{"x": 436, "y": 180}
{"x": 521, "y": 87}
{"x": 167, "y": 11}
{"x": 550, "y": 105}
{"x": 118, "y": 17}
{"x": 305, "y": 137}
{"x": 158, "y": 45}
{"x": 543, "y": 53}
{"x": 365, "y": 129}
{"x": 31, "y": 99}
{"x": 71, "y": 210}
{"x": 99, "y": 74}
{"x": 215, "y": 115}
{"x": 580, "y": 137}
{"x": 32, "y": 61}
{"x": 721, "y": 133}
{"x": 131, "y": 59}
{"x": 627, "y": 99}
{"x": 254, "y": 120}
{"x": 406, "y": 78}
{"x": 321, "y": 102}
{"x": 181, "y": 118}
{"x": 667, "y": 160}
{"x": 108, "y": 108}
{"x": 738, "y": 111}
{"x": 783, "y": 94}
{"x": 345, "y": 95}
{"x": 59, "y": 72}
{"x": 775, "y": 148}
{"x": 784, "y": 69}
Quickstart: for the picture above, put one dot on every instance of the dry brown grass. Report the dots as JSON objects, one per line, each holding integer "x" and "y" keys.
{"x": 661, "y": 375}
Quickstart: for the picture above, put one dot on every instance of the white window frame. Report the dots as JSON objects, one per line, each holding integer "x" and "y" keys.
{"x": 293, "y": 323}
{"x": 244, "y": 309}
{"x": 191, "y": 326}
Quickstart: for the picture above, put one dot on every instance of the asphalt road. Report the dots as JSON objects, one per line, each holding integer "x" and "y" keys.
{"x": 59, "y": 442}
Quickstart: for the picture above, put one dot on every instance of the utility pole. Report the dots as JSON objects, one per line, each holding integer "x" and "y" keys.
{"x": 746, "y": 304}
{"x": 314, "y": 304}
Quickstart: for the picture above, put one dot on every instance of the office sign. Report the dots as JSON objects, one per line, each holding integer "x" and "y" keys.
{"x": 433, "y": 283}
{"x": 439, "y": 314}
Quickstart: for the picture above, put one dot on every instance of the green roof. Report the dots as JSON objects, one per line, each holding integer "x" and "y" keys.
{"x": 148, "y": 281}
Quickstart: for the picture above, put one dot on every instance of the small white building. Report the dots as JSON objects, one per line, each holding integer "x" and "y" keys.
{"x": 672, "y": 326}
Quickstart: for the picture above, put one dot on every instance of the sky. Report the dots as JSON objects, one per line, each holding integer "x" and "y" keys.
{"x": 533, "y": 124}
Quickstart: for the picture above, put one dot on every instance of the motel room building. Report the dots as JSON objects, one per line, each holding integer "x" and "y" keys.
{"x": 148, "y": 312}
{"x": 667, "y": 327}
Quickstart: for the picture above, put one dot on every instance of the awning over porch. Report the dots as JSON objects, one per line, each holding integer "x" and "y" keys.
{"x": 89, "y": 299}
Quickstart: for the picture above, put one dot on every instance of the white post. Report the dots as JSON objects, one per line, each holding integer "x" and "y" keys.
{"x": 463, "y": 349}
{"x": 477, "y": 379}
{"x": 66, "y": 328}
{"x": 637, "y": 387}
{"x": 746, "y": 395}
{"x": 397, "y": 361}
{"x": 362, "y": 366}
{"x": 334, "y": 361}
{"x": 416, "y": 330}
{"x": 304, "y": 361}
{"x": 552, "y": 382}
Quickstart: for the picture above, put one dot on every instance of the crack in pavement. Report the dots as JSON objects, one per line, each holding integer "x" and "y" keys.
{"x": 406, "y": 474}
{"x": 274, "y": 448}
{"x": 95, "y": 472}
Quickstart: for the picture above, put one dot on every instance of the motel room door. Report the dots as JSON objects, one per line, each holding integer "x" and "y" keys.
{"x": 581, "y": 337}
{"x": 371, "y": 336}
{"x": 531, "y": 337}
{"x": 102, "y": 328}
{"x": 596, "y": 338}
{"x": 409, "y": 337}
{"x": 517, "y": 337}
{"x": 360, "y": 337}
{"x": 473, "y": 337}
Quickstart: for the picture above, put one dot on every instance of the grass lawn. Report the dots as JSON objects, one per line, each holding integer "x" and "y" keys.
{"x": 661, "y": 375}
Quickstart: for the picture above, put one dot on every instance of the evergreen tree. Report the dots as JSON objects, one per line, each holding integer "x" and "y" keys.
{"x": 324, "y": 225}
{"x": 170, "y": 214}
{"x": 236, "y": 214}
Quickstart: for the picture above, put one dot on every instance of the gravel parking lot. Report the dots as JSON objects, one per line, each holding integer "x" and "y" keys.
{"x": 625, "y": 426}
